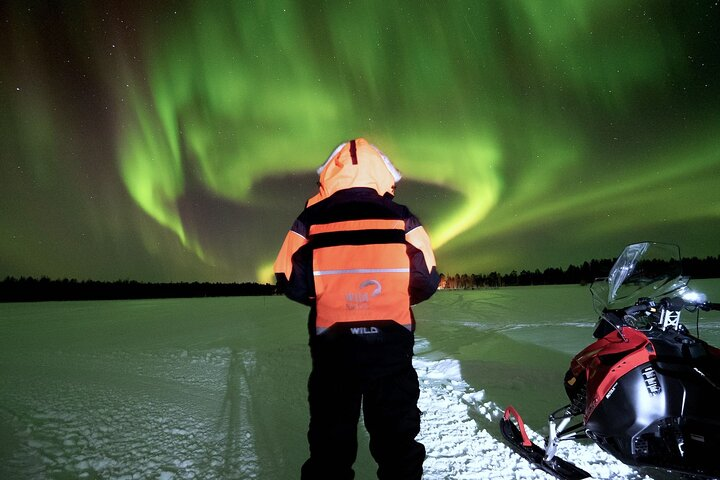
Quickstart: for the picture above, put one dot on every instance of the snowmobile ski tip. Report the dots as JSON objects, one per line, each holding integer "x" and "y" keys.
{"x": 519, "y": 441}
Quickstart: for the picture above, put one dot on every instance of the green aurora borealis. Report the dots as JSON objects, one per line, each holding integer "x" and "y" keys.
{"x": 178, "y": 142}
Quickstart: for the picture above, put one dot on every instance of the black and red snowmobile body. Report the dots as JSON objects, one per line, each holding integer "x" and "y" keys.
{"x": 653, "y": 399}
{"x": 646, "y": 391}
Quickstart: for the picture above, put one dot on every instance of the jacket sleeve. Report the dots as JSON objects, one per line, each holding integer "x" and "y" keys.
{"x": 424, "y": 278}
{"x": 292, "y": 270}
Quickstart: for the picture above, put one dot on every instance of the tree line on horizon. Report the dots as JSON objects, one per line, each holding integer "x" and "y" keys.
{"x": 29, "y": 289}
{"x": 584, "y": 274}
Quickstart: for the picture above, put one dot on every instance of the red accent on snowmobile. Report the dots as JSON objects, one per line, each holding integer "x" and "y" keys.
{"x": 510, "y": 411}
{"x": 608, "y": 359}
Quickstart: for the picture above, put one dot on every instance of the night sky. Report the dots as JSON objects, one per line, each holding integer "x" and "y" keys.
{"x": 179, "y": 142}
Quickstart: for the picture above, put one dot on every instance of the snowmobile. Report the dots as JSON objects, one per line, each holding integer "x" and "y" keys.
{"x": 646, "y": 391}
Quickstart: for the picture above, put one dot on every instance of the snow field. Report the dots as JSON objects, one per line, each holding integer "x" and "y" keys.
{"x": 461, "y": 434}
{"x": 146, "y": 427}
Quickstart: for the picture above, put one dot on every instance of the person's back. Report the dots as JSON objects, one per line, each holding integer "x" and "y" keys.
{"x": 359, "y": 260}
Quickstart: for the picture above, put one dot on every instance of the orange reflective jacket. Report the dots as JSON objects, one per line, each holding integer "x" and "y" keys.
{"x": 354, "y": 254}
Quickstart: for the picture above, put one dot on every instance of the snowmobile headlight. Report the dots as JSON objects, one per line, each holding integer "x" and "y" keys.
{"x": 694, "y": 297}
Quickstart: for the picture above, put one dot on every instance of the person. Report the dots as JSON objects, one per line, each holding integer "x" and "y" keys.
{"x": 359, "y": 261}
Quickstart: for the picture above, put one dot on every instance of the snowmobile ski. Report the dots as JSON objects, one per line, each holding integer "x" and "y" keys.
{"x": 519, "y": 441}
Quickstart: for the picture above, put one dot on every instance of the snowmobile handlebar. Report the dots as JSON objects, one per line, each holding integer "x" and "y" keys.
{"x": 640, "y": 307}
{"x": 676, "y": 304}
{"x": 647, "y": 312}
{"x": 707, "y": 306}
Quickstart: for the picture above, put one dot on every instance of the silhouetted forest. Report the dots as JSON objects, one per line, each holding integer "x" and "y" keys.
{"x": 584, "y": 274}
{"x": 28, "y": 289}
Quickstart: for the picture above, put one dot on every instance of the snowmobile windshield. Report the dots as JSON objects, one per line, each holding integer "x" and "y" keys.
{"x": 643, "y": 270}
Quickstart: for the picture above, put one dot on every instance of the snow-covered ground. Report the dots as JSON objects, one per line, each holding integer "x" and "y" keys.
{"x": 83, "y": 431}
{"x": 460, "y": 433}
{"x": 216, "y": 388}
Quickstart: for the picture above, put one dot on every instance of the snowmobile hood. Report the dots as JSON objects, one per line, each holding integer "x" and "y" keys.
{"x": 356, "y": 163}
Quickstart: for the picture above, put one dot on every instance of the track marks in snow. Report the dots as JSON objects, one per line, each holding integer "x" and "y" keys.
{"x": 142, "y": 422}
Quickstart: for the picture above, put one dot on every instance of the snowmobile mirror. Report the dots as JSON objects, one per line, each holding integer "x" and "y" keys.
{"x": 601, "y": 329}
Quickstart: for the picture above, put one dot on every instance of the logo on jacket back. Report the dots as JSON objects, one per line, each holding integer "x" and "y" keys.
{"x": 361, "y": 300}
{"x": 364, "y": 330}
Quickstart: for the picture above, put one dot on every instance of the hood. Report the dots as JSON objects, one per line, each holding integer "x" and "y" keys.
{"x": 356, "y": 163}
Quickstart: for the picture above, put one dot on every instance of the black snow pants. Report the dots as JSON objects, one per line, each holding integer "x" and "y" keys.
{"x": 376, "y": 375}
